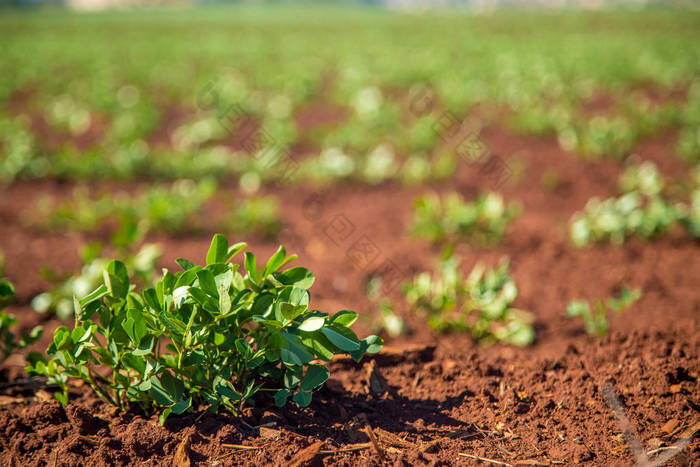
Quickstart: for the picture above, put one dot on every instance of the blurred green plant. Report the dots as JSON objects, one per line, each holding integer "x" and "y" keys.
{"x": 641, "y": 210}
{"x": 8, "y": 340}
{"x": 386, "y": 319}
{"x": 596, "y": 319}
{"x": 483, "y": 222}
{"x": 480, "y": 303}
{"x": 61, "y": 298}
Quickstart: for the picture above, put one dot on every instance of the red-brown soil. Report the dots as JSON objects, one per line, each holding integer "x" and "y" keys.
{"x": 543, "y": 404}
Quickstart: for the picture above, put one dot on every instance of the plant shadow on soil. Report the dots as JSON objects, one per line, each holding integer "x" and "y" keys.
{"x": 336, "y": 413}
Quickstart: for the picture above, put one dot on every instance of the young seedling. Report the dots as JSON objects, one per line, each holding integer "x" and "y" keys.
{"x": 220, "y": 335}
{"x": 596, "y": 320}
{"x": 641, "y": 210}
{"x": 482, "y": 222}
{"x": 8, "y": 340}
{"x": 480, "y": 303}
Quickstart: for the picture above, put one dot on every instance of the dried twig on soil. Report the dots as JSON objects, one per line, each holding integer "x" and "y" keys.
{"x": 306, "y": 455}
{"x": 484, "y": 459}
{"x": 372, "y": 437}
{"x": 492, "y": 442}
{"x": 390, "y": 439}
{"x": 674, "y": 449}
{"x": 350, "y": 448}
{"x": 242, "y": 447}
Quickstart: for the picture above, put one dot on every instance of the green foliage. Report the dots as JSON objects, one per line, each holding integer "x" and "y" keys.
{"x": 258, "y": 215}
{"x": 690, "y": 215}
{"x": 219, "y": 335}
{"x": 483, "y": 222}
{"x": 596, "y": 320}
{"x": 60, "y": 299}
{"x": 480, "y": 303}
{"x": 107, "y": 117}
{"x": 8, "y": 340}
{"x": 641, "y": 210}
{"x": 159, "y": 208}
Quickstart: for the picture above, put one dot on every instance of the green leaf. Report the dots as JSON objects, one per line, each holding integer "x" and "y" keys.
{"x": 262, "y": 304}
{"x": 218, "y": 251}
{"x": 234, "y": 249}
{"x": 135, "y": 326}
{"x": 61, "y": 337}
{"x": 80, "y": 334}
{"x": 275, "y": 261}
{"x": 344, "y": 318}
{"x": 188, "y": 277}
{"x": 321, "y": 346}
{"x": 292, "y": 376}
{"x": 312, "y": 324}
{"x": 181, "y": 406}
{"x": 315, "y": 376}
{"x": 96, "y": 294}
{"x": 293, "y": 351}
{"x": 374, "y": 344}
{"x": 339, "y": 340}
{"x": 117, "y": 287}
{"x": 225, "y": 388}
{"x": 7, "y": 293}
{"x": 207, "y": 283}
{"x": 166, "y": 389}
{"x": 118, "y": 269}
{"x": 281, "y": 397}
{"x": 302, "y": 398}
{"x": 298, "y": 276}
{"x": 290, "y": 312}
{"x": 164, "y": 416}
{"x": 134, "y": 362}
{"x": 207, "y": 302}
{"x": 151, "y": 298}
{"x": 185, "y": 264}
{"x": 251, "y": 267}
{"x": 62, "y": 398}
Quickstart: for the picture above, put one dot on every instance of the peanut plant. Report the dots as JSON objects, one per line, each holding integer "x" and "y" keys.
{"x": 482, "y": 222}
{"x": 596, "y": 320}
{"x": 641, "y": 210}
{"x": 480, "y": 303}
{"x": 219, "y": 335}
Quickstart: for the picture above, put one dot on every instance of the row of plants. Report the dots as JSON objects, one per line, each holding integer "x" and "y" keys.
{"x": 114, "y": 114}
{"x": 169, "y": 209}
{"x": 643, "y": 209}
